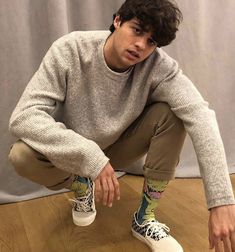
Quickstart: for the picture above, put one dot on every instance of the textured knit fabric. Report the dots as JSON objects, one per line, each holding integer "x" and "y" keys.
{"x": 96, "y": 105}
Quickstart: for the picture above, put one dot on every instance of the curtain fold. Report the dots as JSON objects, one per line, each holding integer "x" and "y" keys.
{"x": 204, "y": 49}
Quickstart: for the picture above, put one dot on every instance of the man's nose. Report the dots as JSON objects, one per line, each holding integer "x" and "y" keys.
{"x": 141, "y": 43}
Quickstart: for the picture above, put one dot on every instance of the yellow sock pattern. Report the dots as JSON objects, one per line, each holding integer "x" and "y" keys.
{"x": 80, "y": 186}
{"x": 152, "y": 192}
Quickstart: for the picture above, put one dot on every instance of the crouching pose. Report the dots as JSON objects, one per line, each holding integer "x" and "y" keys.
{"x": 99, "y": 101}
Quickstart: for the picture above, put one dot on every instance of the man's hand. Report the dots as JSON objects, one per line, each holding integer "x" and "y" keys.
{"x": 107, "y": 186}
{"x": 222, "y": 228}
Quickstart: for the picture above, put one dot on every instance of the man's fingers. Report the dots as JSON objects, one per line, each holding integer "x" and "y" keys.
{"x": 105, "y": 190}
{"x": 116, "y": 187}
{"x": 98, "y": 191}
{"x": 111, "y": 192}
{"x": 211, "y": 242}
{"x": 227, "y": 244}
{"x": 232, "y": 239}
{"x": 218, "y": 246}
{"x": 107, "y": 186}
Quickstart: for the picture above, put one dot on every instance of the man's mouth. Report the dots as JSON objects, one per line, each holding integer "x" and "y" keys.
{"x": 134, "y": 54}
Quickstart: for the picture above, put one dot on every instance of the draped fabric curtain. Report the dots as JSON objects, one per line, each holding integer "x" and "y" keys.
{"x": 204, "y": 49}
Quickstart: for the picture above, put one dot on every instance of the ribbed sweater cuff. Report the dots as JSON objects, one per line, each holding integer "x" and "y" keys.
{"x": 96, "y": 166}
{"x": 221, "y": 202}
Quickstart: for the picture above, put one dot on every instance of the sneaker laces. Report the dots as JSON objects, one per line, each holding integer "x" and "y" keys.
{"x": 155, "y": 227}
{"x": 81, "y": 204}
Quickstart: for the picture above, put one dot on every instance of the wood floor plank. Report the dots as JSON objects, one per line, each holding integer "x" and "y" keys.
{"x": 45, "y": 224}
{"x": 12, "y": 233}
{"x": 183, "y": 209}
{"x": 187, "y": 218}
{"x": 49, "y": 225}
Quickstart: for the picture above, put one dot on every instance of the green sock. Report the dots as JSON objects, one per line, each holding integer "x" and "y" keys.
{"x": 80, "y": 186}
{"x": 152, "y": 192}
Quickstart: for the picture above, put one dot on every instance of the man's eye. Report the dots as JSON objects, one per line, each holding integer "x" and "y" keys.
{"x": 137, "y": 30}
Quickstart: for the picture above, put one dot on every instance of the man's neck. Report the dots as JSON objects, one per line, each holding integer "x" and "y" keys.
{"x": 109, "y": 56}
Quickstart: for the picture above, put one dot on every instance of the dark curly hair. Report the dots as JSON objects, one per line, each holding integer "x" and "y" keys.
{"x": 161, "y": 17}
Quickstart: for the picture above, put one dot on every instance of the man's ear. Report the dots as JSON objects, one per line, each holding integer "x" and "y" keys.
{"x": 117, "y": 22}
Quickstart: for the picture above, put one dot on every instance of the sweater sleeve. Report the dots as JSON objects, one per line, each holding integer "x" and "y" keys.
{"x": 33, "y": 121}
{"x": 201, "y": 125}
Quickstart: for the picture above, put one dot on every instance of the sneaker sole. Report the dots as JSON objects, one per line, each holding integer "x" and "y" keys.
{"x": 84, "y": 222}
{"x": 141, "y": 238}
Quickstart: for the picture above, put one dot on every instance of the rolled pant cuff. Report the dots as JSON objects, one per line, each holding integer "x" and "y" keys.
{"x": 158, "y": 175}
{"x": 64, "y": 185}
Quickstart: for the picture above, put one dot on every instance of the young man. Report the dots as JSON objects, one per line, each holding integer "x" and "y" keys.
{"x": 99, "y": 101}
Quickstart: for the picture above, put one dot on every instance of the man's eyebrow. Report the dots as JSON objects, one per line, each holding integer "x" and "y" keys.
{"x": 136, "y": 23}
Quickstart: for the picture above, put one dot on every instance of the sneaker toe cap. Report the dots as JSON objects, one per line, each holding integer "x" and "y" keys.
{"x": 167, "y": 244}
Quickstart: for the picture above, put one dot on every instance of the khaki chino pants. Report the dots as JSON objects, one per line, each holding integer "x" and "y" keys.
{"x": 157, "y": 132}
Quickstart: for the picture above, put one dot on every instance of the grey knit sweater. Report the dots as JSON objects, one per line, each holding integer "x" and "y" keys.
{"x": 97, "y": 104}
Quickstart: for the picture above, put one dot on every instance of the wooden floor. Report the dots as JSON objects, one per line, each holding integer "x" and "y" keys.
{"x": 45, "y": 224}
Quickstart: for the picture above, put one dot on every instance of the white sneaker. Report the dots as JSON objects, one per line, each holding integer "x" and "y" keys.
{"x": 84, "y": 211}
{"x": 155, "y": 235}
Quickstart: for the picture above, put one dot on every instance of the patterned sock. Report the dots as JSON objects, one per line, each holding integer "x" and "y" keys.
{"x": 152, "y": 192}
{"x": 80, "y": 186}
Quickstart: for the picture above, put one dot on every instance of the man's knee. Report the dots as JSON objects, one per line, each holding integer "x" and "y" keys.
{"x": 162, "y": 113}
{"x": 21, "y": 155}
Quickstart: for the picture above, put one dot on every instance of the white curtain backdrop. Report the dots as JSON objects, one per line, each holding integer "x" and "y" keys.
{"x": 204, "y": 49}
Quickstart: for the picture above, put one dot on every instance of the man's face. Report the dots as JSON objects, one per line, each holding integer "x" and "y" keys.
{"x": 130, "y": 44}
